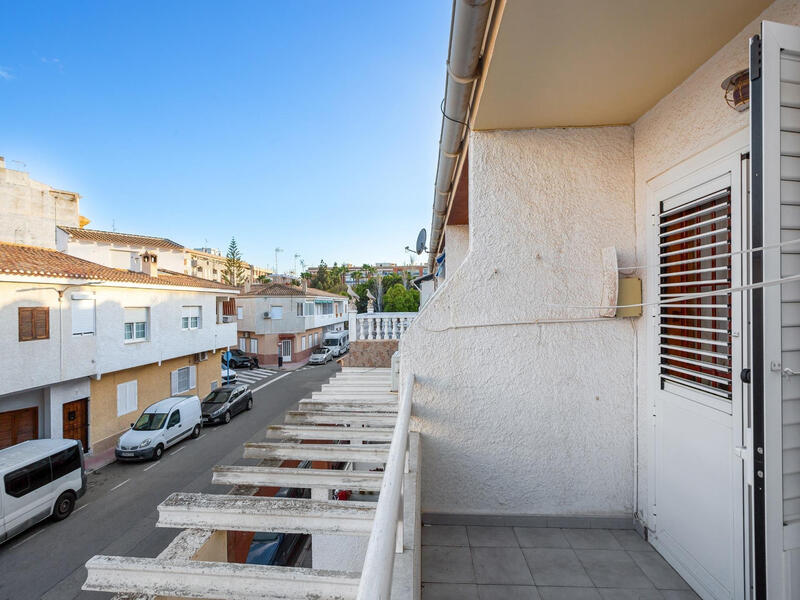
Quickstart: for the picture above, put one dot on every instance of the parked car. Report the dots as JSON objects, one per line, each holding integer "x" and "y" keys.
{"x": 224, "y": 402}
{"x": 239, "y": 360}
{"x": 278, "y": 549}
{"x": 160, "y": 426}
{"x": 228, "y": 375}
{"x": 320, "y": 356}
{"x": 338, "y": 342}
{"x": 41, "y": 479}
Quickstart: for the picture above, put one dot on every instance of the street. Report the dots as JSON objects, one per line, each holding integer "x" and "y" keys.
{"x": 117, "y": 515}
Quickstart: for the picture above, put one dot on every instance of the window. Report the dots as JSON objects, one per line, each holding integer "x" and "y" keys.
{"x": 29, "y": 478}
{"x": 299, "y": 309}
{"x": 82, "y": 316}
{"x": 239, "y": 312}
{"x": 253, "y": 346}
{"x": 302, "y": 342}
{"x": 190, "y": 317}
{"x": 695, "y": 334}
{"x": 316, "y": 339}
{"x": 183, "y": 379}
{"x": 276, "y": 312}
{"x": 174, "y": 419}
{"x": 214, "y": 385}
{"x": 243, "y": 344}
{"x": 34, "y": 323}
{"x": 66, "y": 461}
{"x": 127, "y": 397}
{"x": 136, "y": 324}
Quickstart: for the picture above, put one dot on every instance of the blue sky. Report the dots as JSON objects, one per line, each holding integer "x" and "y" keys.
{"x": 308, "y": 125}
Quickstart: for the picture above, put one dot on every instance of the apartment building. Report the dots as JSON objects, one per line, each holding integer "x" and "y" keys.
{"x": 280, "y": 319}
{"x": 85, "y": 347}
{"x": 209, "y": 263}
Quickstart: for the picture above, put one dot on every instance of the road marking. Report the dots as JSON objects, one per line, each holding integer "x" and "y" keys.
{"x": 155, "y": 464}
{"x": 178, "y": 450}
{"x": 201, "y": 436}
{"x": 33, "y": 535}
{"x": 119, "y": 485}
{"x": 263, "y": 385}
{"x": 81, "y": 507}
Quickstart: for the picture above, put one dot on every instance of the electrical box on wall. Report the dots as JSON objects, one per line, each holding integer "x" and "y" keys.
{"x": 630, "y": 292}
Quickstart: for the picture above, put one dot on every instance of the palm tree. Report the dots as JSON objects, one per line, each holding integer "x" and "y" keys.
{"x": 357, "y": 275}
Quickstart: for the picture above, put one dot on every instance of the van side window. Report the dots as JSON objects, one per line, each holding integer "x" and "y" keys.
{"x": 174, "y": 419}
{"x": 65, "y": 462}
{"x": 29, "y": 478}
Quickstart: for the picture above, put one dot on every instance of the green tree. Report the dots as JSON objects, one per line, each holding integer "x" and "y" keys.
{"x": 233, "y": 272}
{"x": 357, "y": 276}
{"x": 361, "y": 290}
{"x": 398, "y": 299}
{"x": 263, "y": 279}
{"x": 388, "y": 281}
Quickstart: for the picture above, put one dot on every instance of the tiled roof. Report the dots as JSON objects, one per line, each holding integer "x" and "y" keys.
{"x": 18, "y": 259}
{"x": 127, "y": 239}
{"x": 284, "y": 289}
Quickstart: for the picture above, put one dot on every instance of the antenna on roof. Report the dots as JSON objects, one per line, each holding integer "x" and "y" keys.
{"x": 113, "y": 225}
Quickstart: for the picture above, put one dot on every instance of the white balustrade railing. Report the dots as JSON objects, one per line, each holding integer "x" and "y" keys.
{"x": 379, "y": 326}
{"x": 386, "y": 537}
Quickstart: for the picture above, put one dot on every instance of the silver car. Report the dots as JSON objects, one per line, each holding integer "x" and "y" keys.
{"x": 320, "y": 356}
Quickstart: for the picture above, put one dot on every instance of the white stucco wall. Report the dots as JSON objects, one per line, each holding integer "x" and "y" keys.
{"x": 31, "y": 210}
{"x": 692, "y": 118}
{"x": 527, "y": 418}
{"x": 38, "y": 363}
{"x": 456, "y": 245}
{"x": 118, "y": 256}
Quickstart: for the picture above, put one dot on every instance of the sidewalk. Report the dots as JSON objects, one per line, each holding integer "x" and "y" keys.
{"x": 96, "y": 461}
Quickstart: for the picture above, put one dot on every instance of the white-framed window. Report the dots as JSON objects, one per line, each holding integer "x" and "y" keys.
{"x": 136, "y": 324}
{"x": 82, "y": 316}
{"x": 302, "y": 342}
{"x": 191, "y": 317}
{"x": 276, "y": 312}
{"x": 299, "y": 309}
{"x": 243, "y": 344}
{"x": 316, "y": 338}
{"x": 183, "y": 379}
{"x": 309, "y": 308}
{"x": 127, "y": 397}
{"x": 253, "y": 345}
{"x": 239, "y": 313}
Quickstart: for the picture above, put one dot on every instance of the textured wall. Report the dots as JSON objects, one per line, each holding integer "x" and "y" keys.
{"x": 693, "y": 117}
{"x": 370, "y": 353}
{"x": 456, "y": 245}
{"x": 530, "y": 419}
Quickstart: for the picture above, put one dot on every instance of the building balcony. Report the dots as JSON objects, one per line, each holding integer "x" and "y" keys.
{"x": 325, "y": 320}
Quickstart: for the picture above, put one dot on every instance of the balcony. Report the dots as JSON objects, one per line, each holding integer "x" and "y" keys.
{"x": 379, "y": 326}
{"x": 325, "y": 320}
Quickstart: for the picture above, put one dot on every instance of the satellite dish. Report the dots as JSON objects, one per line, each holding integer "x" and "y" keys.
{"x": 421, "y": 239}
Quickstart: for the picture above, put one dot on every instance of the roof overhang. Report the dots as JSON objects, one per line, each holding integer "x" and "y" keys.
{"x": 590, "y": 62}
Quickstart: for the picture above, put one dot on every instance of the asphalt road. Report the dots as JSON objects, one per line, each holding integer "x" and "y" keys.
{"x": 117, "y": 515}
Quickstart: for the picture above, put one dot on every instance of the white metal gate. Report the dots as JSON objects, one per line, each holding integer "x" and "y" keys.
{"x": 697, "y": 513}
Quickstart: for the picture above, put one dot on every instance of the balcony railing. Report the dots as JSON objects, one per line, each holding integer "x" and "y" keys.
{"x": 380, "y": 326}
{"x": 357, "y": 406}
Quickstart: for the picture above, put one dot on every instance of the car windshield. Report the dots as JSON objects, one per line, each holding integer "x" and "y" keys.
{"x": 330, "y": 342}
{"x": 150, "y": 422}
{"x": 320, "y": 351}
{"x": 217, "y": 397}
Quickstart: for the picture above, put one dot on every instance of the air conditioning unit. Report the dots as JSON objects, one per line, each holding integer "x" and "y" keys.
{"x": 266, "y": 315}
{"x": 200, "y": 357}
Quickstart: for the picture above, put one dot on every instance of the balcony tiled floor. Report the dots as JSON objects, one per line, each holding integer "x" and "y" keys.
{"x": 530, "y": 563}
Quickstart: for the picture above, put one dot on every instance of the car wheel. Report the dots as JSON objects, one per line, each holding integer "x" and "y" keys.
{"x": 227, "y": 417}
{"x": 196, "y": 432}
{"x": 158, "y": 452}
{"x": 249, "y": 404}
{"x": 64, "y": 505}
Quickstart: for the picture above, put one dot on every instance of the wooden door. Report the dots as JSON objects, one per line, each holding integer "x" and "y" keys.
{"x": 76, "y": 421}
{"x": 18, "y": 426}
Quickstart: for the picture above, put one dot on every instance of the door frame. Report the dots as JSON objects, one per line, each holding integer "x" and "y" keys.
{"x": 719, "y": 159}
{"x": 287, "y": 358}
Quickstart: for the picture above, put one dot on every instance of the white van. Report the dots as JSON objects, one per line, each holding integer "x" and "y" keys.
{"x": 40, "y": 478}
{"x": 338, "y": 342}
{"x": 161, "y": 425}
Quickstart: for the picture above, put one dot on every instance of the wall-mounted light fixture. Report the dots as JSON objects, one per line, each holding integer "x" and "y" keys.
{"x": 737, "y": 90}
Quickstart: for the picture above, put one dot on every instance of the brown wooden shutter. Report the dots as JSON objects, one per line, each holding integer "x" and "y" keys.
{"x": 25, "y": 324}
{"x": 41, "y": 323}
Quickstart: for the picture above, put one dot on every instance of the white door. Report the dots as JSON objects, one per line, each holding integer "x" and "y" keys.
{"x": 253, "y": 346}
{"x": 286, "y": 350}
{"x": 775, "y": 129}
{"x": 697, "y": 512}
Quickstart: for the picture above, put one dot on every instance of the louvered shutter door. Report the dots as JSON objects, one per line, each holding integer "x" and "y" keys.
{"x": 25, "y": 316}
{"x": 174, "y": 382}
{"x": 694, "y": 333}
{"x": 41, "y": 323}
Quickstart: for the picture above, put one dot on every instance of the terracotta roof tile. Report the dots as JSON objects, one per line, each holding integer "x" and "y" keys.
{"x": 128, "y": 239}
{"x": 18, "y": 259}
{"x": 284, "y": 289}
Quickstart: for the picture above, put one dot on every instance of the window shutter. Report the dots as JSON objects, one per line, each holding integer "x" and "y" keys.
{"x": 25, "y": 324}
{"x": 192, "y": 377}
{"x": 173, "y": 382}
{"x": 41, "y": 323}
{"x": 82, "y": 316}
{"x": 694, "y": 334}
